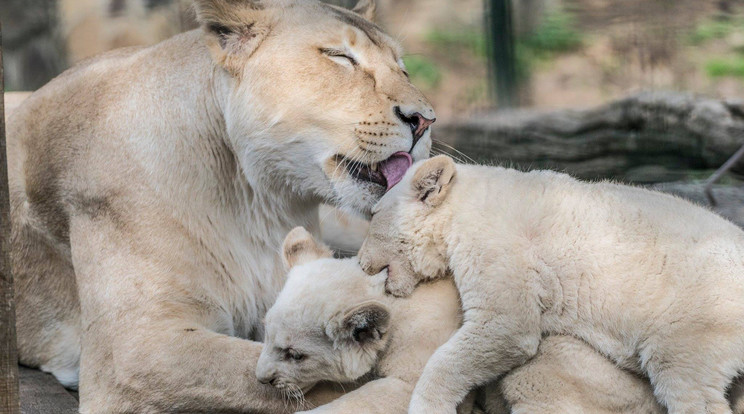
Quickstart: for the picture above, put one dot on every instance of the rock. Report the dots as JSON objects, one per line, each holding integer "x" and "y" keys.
{"x": 645, "y": 138}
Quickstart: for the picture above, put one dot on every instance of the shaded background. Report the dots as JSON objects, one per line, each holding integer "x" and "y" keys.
{"x": 567, "y": 53}
{"x": 639, "y": 91}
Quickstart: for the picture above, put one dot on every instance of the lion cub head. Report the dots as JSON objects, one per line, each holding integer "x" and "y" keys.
{"x": 326, "y": 323}
{"x": 406, "y": 234}
{"x": 318, "y": 98}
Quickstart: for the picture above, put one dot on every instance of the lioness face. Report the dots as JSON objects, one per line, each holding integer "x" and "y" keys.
{"x": 321, "y": 327}
{"x": 338, "y": 116}
{"x": 408, "y": 227}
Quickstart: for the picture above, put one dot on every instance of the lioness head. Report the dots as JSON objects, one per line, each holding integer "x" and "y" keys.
{"x": 320, "y": 101}
{"x": 406, "y": 233}
{"x": 326, "y": 324}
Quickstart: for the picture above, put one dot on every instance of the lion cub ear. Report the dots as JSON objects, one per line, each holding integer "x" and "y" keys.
{"x": 366, "y": 9}
{"x": 433, "y": 179}
{"x": 235, "y": 29}
{"x": 364, "y": 324}
{"x": 301, "y": 247}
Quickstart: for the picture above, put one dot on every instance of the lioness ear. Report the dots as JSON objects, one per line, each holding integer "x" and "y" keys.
{"x": 364, "y": 324}
{"x": 366, "y": 9}
{"x": 301, "y": 247}
{"x": 235, "y": 28}
{"x": 433, "y": 179}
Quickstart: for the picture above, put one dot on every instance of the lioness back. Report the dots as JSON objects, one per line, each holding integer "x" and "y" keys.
{"x": 58, "y": 164}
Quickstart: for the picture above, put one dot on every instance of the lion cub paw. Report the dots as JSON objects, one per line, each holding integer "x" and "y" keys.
{"x": 399, "y": 286}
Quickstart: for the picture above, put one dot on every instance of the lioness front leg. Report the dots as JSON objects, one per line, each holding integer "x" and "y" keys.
{"x": 384, "y": 396}
{"x": 486, "y": 346}
{"x": 151, "y": 343}
{"x": 388, "y": 395}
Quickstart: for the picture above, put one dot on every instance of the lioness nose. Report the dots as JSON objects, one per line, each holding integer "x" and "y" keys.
{"x": 417, "y": 122}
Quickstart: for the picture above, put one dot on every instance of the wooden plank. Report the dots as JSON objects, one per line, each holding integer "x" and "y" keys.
{"x": 8, "y": 354}
{"x": 41, "y": 393}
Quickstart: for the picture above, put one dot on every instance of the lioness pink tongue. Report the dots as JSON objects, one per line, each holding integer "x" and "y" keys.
{"x": 395, "y": 167}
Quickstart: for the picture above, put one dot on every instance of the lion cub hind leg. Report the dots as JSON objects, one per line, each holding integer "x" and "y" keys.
{"x": 685, "y": 392}
{"x": 569, "y": 376}
{"x": 688, "y": 383}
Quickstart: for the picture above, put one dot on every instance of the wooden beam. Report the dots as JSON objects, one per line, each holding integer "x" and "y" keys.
{"x": 8, "y": 355}
{"x": 41, "y": 393}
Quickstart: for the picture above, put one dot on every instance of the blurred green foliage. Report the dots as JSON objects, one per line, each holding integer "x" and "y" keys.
{"x": 714, "y": 29}
{"x": 453, "y": 42}
{"x": 557, "y": 33}
{"x": 719, "y": 67}
{"x": 423, "y": 71}
{"x": 731, "y": 64}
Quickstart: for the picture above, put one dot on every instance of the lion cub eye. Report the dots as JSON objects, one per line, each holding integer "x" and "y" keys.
{"x": 293, "y": 355}
{"x": 339, "y": 56}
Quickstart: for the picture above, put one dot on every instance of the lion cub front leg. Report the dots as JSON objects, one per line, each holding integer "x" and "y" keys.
{"x": 498, "y": 334}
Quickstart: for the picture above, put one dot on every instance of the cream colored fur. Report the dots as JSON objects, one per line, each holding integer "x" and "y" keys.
{"x": 651, "y": 281}
{"x": 566, "y": 375}
{"x": 344, "y": 327}
{"x": 151, "y": 189}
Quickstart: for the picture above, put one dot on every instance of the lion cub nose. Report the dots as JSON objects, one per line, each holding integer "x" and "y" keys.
{"x": 417, "y": 122}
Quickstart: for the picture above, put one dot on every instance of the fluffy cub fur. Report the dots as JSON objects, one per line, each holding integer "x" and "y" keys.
{"x": 333, "y": 323}
{"x": 651, "y": 281}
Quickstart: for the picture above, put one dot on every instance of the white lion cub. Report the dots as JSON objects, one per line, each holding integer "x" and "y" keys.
{"x": 332, "y": 322}
{"x": 651, "y": 281}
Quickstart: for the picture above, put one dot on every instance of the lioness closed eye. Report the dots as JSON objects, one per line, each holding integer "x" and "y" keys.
{"x": 652, "y": 281}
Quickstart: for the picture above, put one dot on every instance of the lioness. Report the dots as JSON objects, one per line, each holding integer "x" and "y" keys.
{"x": 653, "y": 282}
{"x": 333, "y": 323}
{"x": 151, "y": 189}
